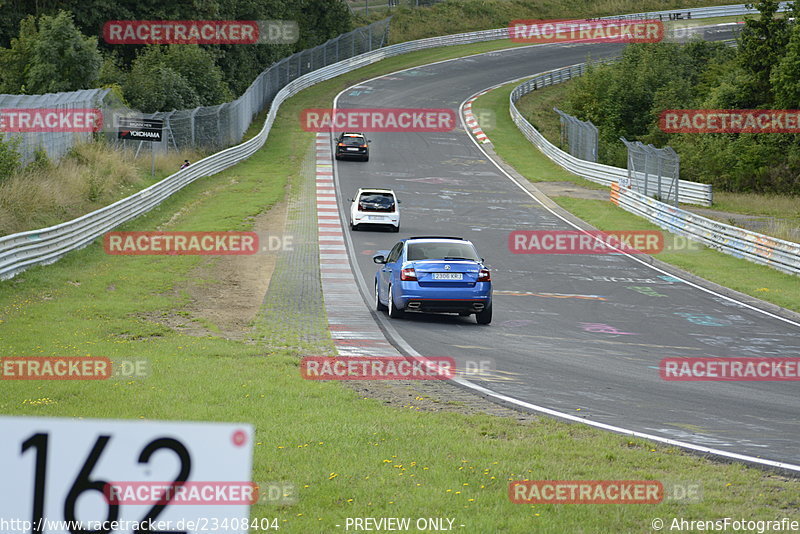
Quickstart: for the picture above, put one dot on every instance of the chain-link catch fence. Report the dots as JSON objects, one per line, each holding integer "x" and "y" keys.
{"x": 580, "y": 137}
{"x": 652, "y": 171}
{"x": 206, "y": 127}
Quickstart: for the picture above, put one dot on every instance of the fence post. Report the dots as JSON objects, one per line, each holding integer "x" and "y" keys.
{"x": 630, "y": 169}
{"x": 193, "y": 125}
{"x": 219, "y": 125}
{"x": 659, "y": 167}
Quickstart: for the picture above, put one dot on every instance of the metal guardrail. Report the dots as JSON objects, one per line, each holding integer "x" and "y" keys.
{"x": 689, "y": 192}
{"x": 738, "y": 242}
{"x": 688, "y": 13}
{"x": 210, "y": 127}
{"x": 41, "y": 247}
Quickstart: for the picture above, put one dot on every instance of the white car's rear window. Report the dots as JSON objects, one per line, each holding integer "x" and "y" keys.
{"x": 376, "y": 202}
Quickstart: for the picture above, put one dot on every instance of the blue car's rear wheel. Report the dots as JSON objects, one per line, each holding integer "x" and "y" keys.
{"x": 394, "y": 312}
{"x": 378, "y": 304}
{"x": 485, "y": 316}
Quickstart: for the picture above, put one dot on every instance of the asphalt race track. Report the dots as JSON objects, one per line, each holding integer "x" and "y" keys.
{"x": 581, "y": 334}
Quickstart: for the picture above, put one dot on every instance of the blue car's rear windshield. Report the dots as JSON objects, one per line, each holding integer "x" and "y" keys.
{"x": 440, "y": 251}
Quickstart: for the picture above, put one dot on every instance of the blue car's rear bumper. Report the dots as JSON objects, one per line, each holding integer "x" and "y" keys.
{"x": 444, "y": 299}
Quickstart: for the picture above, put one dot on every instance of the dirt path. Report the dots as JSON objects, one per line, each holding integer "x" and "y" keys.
{"x": 570, "y": 189}
{"x": 755, "y": 223}
{"x": 225, "y": 292}
{"x": 238, "y": 284}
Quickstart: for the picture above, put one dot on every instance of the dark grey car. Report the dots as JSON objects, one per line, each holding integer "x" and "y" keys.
{"x": 352, "y": 145}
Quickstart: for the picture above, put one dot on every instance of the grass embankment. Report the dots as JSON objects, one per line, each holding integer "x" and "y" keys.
{"x": 456, "y": 16}
{"x": 349, "y": 456}
{"x": 91, "y": 176}
{"x": 738, "y": 274}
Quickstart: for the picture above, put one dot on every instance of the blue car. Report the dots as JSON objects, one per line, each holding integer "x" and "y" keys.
{"x": 433, "y": 274}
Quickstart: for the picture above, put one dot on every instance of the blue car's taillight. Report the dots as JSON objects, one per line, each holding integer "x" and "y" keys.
{"x": 484, "y": 276}
{"x": 408, "y": 275}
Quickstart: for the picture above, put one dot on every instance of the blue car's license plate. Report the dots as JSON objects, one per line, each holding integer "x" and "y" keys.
{"x": 448, "y": 276}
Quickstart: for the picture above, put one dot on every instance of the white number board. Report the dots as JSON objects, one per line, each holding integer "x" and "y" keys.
{"x": 71, "y": 475}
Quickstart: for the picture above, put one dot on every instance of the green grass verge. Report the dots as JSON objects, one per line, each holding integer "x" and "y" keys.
{"x": 509, "y": 143}
{"x": 513, "y": 147}
{"x": 749, "y": 278}
{"x": 349, "y": 456}
{"x": 780, "y": 206}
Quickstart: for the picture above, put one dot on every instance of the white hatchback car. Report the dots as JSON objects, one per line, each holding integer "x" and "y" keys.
{"x": 375, "y": 206}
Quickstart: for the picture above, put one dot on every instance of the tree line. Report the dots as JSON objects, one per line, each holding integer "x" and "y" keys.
{"x": 625, "y": 99}
{"x": 56, "y": 45}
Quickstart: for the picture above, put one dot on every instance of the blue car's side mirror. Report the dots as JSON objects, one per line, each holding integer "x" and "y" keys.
{"x": 379, "y": 258}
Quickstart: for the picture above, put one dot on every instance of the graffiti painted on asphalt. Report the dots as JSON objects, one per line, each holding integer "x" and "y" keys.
{"x": 602, "y": 328}
{"x": 646, "y": 290}
{"x": 704, "y": 319}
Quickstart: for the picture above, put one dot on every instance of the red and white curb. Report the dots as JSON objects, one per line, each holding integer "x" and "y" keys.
{"x": 472, "y": 122}
{"x": 352, "y": 327}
